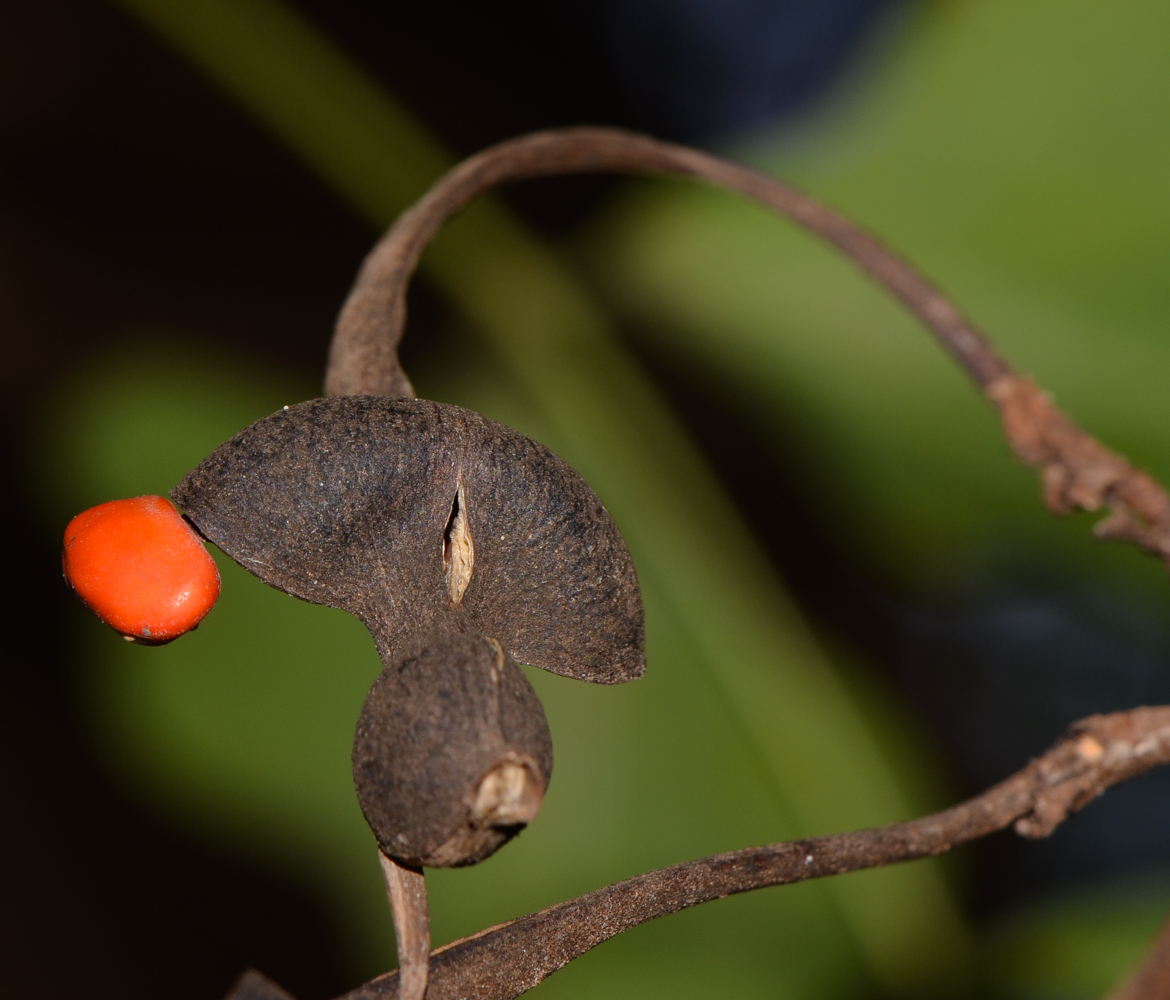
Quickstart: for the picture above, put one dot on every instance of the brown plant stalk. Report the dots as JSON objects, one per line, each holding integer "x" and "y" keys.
{"x": 407, "y": 892}
{"x": 506, "y": 960}
{"x": 1077, "y": 471}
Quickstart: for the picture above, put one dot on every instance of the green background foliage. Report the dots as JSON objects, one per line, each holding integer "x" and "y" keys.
{"x": 1017, "y": 153}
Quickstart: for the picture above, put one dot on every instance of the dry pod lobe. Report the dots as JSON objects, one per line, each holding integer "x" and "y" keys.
{"x": 452, "y": 753}
{"x": 463, "y": 547}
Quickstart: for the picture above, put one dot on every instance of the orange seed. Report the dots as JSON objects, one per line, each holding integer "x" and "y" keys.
{"x": 140, "y": 568}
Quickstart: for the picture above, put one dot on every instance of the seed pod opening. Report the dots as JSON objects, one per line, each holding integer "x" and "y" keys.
{"x": 418, "y": 516}
{"x": 452, "y": 753}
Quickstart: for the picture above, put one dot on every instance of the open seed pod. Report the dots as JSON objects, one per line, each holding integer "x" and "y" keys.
{"x": 419, "y": 517}
{"x": 463, "y": 546}
{"x": 452, "y": 753}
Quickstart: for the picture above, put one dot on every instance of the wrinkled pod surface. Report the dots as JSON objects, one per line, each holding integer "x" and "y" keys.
{"x": 452, "y": 754}
{"x": 463, "y": 546}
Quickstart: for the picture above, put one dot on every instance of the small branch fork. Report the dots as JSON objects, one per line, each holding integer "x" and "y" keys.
{"x": 1077, "y": 471}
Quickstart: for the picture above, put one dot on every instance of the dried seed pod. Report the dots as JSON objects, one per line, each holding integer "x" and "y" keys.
{"x": 418, "y": 516}
{"x": 428, "y": 520}
{"x": 452, "y": 754}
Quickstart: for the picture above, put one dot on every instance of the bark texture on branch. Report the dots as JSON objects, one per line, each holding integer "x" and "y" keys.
{"x": 504, "y": 961}
{"x": 1080, "y": 473}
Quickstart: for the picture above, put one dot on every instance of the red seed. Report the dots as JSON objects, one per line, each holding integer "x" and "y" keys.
{"x": 140, "y": 568}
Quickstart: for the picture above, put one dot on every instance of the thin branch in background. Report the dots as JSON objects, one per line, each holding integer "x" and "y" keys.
{"x": 504, "y": 961}
{"x": 1077, "y": 471}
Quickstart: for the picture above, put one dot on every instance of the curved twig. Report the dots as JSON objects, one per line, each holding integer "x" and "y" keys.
{"x": 363, "y": 356}
{"x": 504, "y": 961}
{"x": 1077, "y": 471}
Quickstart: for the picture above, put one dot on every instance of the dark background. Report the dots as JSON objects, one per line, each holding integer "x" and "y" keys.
{"x": 132, "y": 193}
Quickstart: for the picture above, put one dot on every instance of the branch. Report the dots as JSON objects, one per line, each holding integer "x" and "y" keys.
{"x": 504, "y": 961}
{"x": 407, "y": 889}
{"x": 1077, "y": 471}
{"x": 363, "y": 354}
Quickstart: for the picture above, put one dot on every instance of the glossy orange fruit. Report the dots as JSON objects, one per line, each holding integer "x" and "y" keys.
{"x": 140, "y": 568}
